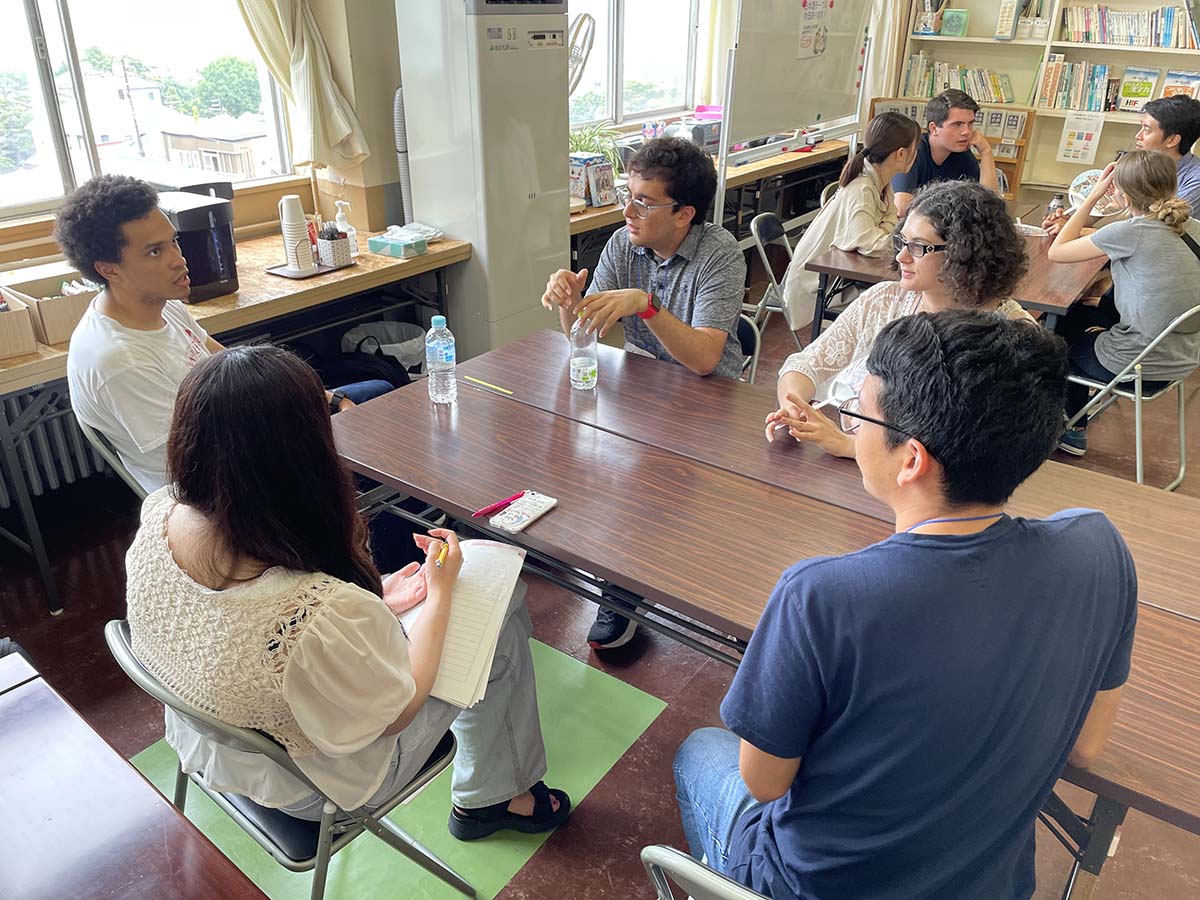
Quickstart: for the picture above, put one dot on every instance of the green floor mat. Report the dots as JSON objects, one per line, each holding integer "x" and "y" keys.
{"x": 589, "y": 718}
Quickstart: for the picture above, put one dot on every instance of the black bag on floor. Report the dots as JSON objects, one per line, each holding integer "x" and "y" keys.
{"x": 337, "y": 369}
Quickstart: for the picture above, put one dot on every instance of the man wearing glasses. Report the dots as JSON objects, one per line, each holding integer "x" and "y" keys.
{"x": 902, "y": 713}
{"x": 674, "y": 281}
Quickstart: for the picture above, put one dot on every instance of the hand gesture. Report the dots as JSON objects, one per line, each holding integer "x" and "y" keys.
{"x": 565, "y": 289}
{"x": 1053, "y": 224}
{"x": 775, "y": 421}
{"x": 404, "y": 589}
{"x": 980, "y": 142}
{"x": 603, "y": 310}
{"x": 813, "y": 427}
{"x": 440, "y": 579}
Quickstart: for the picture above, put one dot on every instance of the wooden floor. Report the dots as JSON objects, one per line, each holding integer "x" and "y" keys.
{"x": 89, "y": 527}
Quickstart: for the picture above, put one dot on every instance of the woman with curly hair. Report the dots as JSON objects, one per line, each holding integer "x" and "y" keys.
{"x": 957, "y": 249}
{"x": 1155, "y": 256}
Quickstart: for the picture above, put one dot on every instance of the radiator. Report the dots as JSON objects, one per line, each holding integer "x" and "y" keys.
{"x": 52, "y": 453}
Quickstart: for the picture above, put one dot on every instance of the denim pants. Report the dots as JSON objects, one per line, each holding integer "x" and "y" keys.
{"x": 500, "y": 751}
{"x": 711, "y": 793}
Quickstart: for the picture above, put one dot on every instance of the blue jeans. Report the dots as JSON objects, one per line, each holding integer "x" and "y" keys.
{"x": 362, "y": 391}
{"x": 711, "y": 793}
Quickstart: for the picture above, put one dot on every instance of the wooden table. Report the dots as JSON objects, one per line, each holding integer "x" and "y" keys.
{"x": 80, "y": 822}
{"x": 1047, "y": 287}
{"x": 719, "y": 422}
{"x": 658, "y": 466}
{"x": 261, "y": 297}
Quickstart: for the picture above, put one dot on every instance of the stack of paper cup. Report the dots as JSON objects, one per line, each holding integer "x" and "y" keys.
{"x": 295, "y": 235}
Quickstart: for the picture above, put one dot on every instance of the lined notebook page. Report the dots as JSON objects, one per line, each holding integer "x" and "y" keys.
{"x": 481, "y": 596}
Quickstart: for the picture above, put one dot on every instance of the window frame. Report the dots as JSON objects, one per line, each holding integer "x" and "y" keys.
{"x": 616, "y": 71}
{"x": 277, "y": 114}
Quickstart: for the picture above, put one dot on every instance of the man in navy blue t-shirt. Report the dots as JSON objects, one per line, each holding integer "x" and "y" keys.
{"x": 944, "y": 151}
{"x": 902, "y": 712}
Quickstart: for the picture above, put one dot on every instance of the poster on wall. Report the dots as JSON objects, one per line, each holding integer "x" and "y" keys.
{"x": 815, "y": 16}
{"x": 1080, "y": 137}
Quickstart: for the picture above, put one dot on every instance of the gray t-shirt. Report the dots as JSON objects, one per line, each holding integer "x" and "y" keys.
{"x": 1156, "y": 277}
{"x": 701, "y": 285}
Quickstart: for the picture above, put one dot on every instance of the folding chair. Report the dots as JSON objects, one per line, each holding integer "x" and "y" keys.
{"x": 766, "y": 229}
{"x": 109, "y": 454}
{"x": 1107, "y": 394}
{"x": 751, "y": 340}
{"x": 827, "y": 193}
{"x": 696, "y": 879}
{"x": 295, "y": 844}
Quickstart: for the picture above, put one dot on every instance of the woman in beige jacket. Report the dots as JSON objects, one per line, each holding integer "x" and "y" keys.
{"x": 861, "y": 216}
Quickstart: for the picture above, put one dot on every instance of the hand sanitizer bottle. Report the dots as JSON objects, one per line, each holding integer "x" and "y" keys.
{"x": 344, "y": 226}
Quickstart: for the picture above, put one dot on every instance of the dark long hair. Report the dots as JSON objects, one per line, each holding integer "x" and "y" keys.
{"x": 885, "y": 134}
{"x": 251, "y": 449}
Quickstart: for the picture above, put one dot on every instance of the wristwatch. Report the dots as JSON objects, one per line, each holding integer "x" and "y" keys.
{"x": 652, "y": 307}
{"x": 335, "y": 400}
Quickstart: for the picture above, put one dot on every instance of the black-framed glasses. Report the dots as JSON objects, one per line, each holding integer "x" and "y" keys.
{"x": 640, "y": 209}
{"x": 916, "y": 249}
{"x": 844, "y": 409}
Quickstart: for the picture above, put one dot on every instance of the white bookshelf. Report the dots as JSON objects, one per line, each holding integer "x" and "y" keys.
{"x": 1024, "y": 60}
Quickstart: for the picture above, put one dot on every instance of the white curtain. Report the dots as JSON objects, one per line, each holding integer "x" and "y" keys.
{"x": 291, "y": 45}
{"x": 886, "y": 29}
{"x": 717, "y": 33}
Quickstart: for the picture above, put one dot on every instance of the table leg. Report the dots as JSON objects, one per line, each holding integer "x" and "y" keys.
{"x": 10, "y": 466}
{"x": 1101, "y": 831}
{"x": 822, "y": 299}
{"x": 1050, "y": 321}
{"x": 440, "y": 276}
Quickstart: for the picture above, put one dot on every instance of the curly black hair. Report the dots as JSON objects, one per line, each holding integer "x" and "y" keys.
{"x": 984, "y": 258}
{"x": 686, "y": 171}
{"x": 88, "y": 225}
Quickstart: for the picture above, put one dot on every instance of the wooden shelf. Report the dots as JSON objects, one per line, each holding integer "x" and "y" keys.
{"x": 976, "y": 40}
{"x": 1125, "y": 48}
{"x": 1121, "y": 118}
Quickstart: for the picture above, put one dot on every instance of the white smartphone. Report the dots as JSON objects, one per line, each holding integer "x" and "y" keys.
{"x": 520, "y": 513}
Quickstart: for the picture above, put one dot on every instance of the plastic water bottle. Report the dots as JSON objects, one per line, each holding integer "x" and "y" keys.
{"x": 1056, "y": 205}
{"x": 584, "y": 368}
{"x": 439, "y": 362}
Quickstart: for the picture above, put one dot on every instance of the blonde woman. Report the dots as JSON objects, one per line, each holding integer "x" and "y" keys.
{"x": 862, "y": 214}
{"x": 1155, "y": 261}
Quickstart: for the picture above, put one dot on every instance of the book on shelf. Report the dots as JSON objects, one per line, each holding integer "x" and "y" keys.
{"x": 1179, "y": 82}
{"x": 1014, "y": 126}
{"x": 925, "y": 77}
{"x": 993, "y": 124}
{"x": 1137, "y": 87}
{"x": 1073, "y": 85}
{"x": 1169, "y": 27}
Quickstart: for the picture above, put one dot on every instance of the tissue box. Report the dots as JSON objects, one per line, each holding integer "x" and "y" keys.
{"x": 16, "y": 327}
{"x": 402, "y": 248}
{"x": 54, "y": 315}
{"x": 580, "y": 162}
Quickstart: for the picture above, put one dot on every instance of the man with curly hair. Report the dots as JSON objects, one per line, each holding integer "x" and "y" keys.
{"x": 130, "y": 351}
{"x": 944, "y": 151}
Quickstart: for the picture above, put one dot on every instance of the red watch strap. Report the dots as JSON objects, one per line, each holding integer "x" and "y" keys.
{"x": 651, "y": 310}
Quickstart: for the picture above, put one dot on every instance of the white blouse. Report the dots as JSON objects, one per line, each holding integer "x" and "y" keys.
{"x": 345, "y": 675}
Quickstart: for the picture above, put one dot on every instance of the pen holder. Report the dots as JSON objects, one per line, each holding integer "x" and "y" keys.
{"x": 334, "y": 253}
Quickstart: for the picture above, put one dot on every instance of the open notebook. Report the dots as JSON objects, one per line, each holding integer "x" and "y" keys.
{"x": 481, "y": 595}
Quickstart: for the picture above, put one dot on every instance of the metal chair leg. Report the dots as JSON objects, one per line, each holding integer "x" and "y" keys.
{"x": 181, "y": 786}
{"x": 1181, "y": 411}
{"x": 1137, "y": 421}
{"x": 324, "y": 845}
{"x": 397, "y": 838}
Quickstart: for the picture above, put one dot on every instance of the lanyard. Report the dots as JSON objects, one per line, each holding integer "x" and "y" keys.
{"x": 953, "y": 519}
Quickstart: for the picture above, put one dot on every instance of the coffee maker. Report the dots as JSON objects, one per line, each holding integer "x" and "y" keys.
{"x": 203, "y": 216}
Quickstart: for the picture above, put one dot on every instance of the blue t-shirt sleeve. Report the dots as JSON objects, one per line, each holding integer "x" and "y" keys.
{"x": 1117, "y": 672}
{"x": 777, "y": 697}
{"x": 907, "y": 182}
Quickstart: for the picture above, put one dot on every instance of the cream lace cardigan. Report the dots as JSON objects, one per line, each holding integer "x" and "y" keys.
{"x": 836, "y": 362}
{"x": 320, "y": 665}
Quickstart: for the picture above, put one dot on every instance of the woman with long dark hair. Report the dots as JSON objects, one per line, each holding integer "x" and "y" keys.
{"x": 252, "y": 595}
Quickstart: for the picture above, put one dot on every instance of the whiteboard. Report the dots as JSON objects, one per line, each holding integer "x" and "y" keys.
{"x": 797, "y": 64}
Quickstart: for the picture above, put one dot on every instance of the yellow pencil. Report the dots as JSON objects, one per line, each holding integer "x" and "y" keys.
{"x": 487, "y": 385}
{"x": 442, "y": 555}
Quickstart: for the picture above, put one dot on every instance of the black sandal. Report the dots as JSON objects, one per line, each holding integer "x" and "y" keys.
{"x": 473, "y": 824}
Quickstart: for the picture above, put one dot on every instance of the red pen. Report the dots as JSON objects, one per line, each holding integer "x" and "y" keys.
{"x": 498, "y": 505}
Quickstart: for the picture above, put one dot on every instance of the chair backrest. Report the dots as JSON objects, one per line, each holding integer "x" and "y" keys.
{"x": 116, "y": 635}
{"x": 750, "y": 338}
{"x": 109, "y": 454}
{"x": 766, "y": 229}
{"x": 827, "y": 193}
{"x": 698, "y": 880}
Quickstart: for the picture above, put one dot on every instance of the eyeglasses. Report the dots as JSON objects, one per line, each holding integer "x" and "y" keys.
{"x": 916, "y": 249}
{"x": 845, "y": 410}
{"x": 640, "y": 209}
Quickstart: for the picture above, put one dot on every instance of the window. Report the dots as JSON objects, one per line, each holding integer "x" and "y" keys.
{"x": 164, "y": 75}
{"x": 642, "y": 59}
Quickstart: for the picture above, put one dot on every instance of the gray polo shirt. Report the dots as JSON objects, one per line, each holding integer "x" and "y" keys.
{"x": 701, "y": 285}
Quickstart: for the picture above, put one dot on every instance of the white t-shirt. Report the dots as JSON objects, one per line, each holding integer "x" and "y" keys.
{"x": 123, "y": 383}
